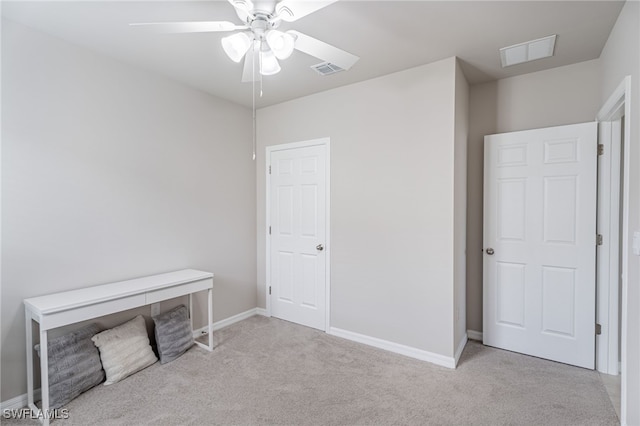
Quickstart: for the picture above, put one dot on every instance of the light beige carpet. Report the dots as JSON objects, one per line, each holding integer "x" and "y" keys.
{"x": 267, "y": 371}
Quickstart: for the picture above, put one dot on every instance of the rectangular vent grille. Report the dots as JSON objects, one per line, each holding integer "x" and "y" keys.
{"x": 326, "y": 68}
{"x": 528, "y": 51}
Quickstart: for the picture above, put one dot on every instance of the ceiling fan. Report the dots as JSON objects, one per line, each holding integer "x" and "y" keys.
{"x": 258, "y": 40}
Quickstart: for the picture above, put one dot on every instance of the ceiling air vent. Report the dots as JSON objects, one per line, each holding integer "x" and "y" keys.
{"x": 528, "y": 51}
{"x": 326, "y": 68}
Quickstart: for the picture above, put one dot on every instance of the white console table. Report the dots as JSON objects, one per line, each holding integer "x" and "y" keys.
{"x": 59, "y": 309}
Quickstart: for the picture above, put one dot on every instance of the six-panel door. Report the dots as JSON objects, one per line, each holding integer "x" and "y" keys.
{"x": 297, "y": 219}
{"x": 540, "y": 220}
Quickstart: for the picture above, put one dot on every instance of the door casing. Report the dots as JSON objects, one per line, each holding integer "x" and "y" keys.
{"x": 294, "y": 145}
{"x": 616, "y": 106}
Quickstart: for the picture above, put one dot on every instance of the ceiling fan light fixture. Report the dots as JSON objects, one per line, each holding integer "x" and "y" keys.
{"x": 280, "y": 43}
{"x": 236, "y": 46}
{"x": 268, "y": 63}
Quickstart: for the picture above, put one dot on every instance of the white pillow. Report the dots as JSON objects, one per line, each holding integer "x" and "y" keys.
{"x": 124, "y": 349}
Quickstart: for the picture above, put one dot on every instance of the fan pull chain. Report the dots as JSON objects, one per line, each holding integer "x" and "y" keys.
{"x": 253, "y": 98}
{"x": 260, "y": 58}
{"x": 254, "y": 123}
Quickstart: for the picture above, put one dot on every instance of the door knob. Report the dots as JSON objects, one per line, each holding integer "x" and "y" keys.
{"x": 490, "y": 251}
{"x": 319, "y": 247}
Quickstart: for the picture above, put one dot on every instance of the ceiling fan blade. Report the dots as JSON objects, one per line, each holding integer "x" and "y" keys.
{"x": 243, "y": 8}
{"x": 292, "y": 10}
{"x": 190, "y": 27}
{"x": 323, "y": 51}
{"x": 246, "y": 5}
{"x": 248, "y": 72}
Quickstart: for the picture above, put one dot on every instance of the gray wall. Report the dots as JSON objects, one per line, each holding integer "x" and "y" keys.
{"x": 558, "y": 96}
{"x": 392, "y": 201}
{"x": 621, "y": 57}
{"x": 460, "y": 205}
{"x": 111, "y": 173}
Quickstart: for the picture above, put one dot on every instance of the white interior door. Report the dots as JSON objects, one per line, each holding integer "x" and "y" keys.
{"x": 540, "y": 242}
{"x": 298, "y": 233}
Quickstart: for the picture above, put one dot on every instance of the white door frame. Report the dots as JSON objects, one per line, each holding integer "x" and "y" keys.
{"x": 608, "y": 270}
{"x": 615, "y": 107}
{"x": 327, "y": 244}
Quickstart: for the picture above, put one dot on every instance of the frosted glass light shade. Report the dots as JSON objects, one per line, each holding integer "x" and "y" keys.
{"x": 280, "y": 43}
{"x": 236, "y": 45}
{"x": 268, "y": 63}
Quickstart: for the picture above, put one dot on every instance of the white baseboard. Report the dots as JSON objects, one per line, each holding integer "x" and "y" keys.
{"x": 262, "y": 311}
{"x": 409, "y": 351}
{"x": 460, "y": 348}
{"x": 227, "y": 321}
{"x": 19, "y": 401}
{"x": 474, "y": 335}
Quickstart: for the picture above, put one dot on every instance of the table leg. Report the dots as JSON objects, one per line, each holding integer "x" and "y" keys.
{"x": 191, "y": 309}
{"x": 29, "y": 337}
{"x": 44, "y": 376}
{"x": 210, "y": 322}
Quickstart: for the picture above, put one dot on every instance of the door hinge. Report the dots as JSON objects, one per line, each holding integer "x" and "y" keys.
{"x": 598, "y": 327}
{"x": 599, "y": 239}
{"x": 269, "y": 289}
{"x": 269, "y": 169}
{"x": 269, "y": 230}
{"x": 600, "y": 149}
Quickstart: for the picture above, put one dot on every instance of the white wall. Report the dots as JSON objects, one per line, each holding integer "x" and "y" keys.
{"x": 482, "y": 121}
{"x": 554, "y": 97}
{"x": 392, "y": 201}
{"x": 460, "y": 205}
{"x": 621, "y": 57}
{"x": 112, "y": 173}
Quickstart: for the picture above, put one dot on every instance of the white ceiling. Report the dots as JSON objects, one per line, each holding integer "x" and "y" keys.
{"x": 387, "y": 35}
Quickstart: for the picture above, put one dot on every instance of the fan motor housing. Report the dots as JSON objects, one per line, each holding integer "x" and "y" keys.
{"x": 261, "y": 24}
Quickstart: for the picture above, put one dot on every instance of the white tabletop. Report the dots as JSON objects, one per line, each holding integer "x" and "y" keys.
{"x": 57, "y": 302}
